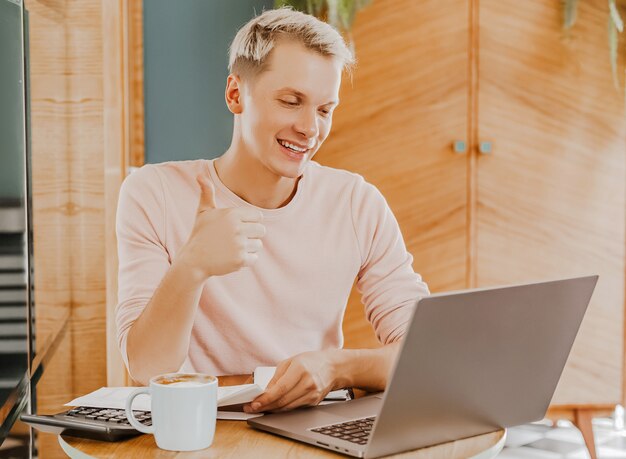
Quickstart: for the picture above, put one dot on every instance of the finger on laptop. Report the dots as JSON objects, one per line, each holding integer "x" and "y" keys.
{"x": 298, "y": 396}
{"x": 277, "y": 393}
{"x": 281, "y": 368}
{"x": 286, "y": 393}
{"x": 305, "y": 400}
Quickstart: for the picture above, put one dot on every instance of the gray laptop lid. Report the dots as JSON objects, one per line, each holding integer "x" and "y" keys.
{"x": 476, "y": 360}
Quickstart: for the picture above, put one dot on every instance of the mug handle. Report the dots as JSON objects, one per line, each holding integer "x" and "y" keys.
{"x": 129, "y": 412}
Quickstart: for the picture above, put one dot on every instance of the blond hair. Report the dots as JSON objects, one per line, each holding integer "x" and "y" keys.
{"x": 253, "y": 43}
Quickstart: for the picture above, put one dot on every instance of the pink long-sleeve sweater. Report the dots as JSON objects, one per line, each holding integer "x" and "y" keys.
{"x": 336, "y": 228}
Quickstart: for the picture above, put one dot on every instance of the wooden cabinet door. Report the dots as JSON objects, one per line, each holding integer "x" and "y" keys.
{"x": 395, "y": 126}
{"x": 551, "y": 195}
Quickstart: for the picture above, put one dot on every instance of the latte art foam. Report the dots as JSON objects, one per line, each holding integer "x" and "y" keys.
{"x": 184, "y": 380}
{"x": 186, "y": 384}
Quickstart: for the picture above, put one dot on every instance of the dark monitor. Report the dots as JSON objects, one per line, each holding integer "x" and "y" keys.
{"x": 16, "y": 337}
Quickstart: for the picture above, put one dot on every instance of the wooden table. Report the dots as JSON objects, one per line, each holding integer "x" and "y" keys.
{"x": 235, "y": 439}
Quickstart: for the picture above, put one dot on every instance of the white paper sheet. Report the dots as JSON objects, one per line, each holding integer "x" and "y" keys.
{"x": 235, "y": 395}
{"x": 236, "y": 415}
{"x": 115, "y": 397}
{"x": 112, "y": 397}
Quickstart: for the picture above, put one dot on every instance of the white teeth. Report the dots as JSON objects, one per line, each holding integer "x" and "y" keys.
{"x": 292, "y": 146}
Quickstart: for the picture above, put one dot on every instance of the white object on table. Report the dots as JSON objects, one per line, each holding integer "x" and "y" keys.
{"x": 115, "y": 398}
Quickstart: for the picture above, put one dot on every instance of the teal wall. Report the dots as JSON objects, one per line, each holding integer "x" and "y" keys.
{"x": 11, "y": 104}
{"x": 186, "y": 65}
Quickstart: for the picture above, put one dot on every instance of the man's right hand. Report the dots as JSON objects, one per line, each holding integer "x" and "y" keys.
{"x": 222, "y": 240}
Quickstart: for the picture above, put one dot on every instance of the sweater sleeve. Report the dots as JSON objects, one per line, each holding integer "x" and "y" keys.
{"x": 141, "y": 245}
{"x": 388, "y": 284}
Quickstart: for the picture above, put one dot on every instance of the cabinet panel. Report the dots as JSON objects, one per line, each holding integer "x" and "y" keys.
{"x": 551, "y": 196}
{"x": 395, "y": 126}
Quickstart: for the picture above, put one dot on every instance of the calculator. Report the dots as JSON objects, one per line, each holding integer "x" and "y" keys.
{"x": 106, "y": 424}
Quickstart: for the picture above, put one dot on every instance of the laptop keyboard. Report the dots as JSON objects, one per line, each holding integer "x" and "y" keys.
{"x": 110, "y": 416}
{"x": 357, "y": 431}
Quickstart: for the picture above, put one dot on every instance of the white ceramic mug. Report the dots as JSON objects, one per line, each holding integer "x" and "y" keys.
{"x": 184, "y": 409}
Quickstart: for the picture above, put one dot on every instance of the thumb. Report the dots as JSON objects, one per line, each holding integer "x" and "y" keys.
{"x": 207, "y": 194}
{"x": 281, "y": 369}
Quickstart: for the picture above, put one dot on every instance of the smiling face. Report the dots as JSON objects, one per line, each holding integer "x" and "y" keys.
{"x": 284, "y": 114}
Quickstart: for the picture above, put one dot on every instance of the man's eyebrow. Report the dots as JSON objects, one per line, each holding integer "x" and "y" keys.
{"x": 303, "y": 95}
{"x": 295, "y": 91}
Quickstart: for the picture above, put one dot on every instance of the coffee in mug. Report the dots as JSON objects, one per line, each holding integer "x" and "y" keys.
{"x": 184, "y": 410}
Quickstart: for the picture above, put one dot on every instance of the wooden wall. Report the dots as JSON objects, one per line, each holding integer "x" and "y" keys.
{"x": 68, "y": 197}
{"x": 551, "y": 197}
{"x": 117, "y": 128}
{"x": 51, "y": 195}
{"x": 396, "y": 123}
{"x": 549, "y": 201}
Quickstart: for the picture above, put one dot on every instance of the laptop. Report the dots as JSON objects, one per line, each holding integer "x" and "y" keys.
{"x": 471, "y": 362}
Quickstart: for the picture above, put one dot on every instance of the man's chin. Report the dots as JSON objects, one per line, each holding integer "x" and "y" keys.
{"x": 292, "y": 171}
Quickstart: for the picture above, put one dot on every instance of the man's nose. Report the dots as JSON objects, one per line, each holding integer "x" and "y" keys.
{"x": 307, "y": 124}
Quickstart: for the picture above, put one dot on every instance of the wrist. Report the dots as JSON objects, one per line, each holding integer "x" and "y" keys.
{"x": 185, "y": 266}
{"x": 343, "y": 365}
{"x": 364, "y": 368}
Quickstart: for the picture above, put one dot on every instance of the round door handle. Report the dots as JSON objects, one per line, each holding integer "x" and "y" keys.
{"x": 459, "y": 146}
{"x": 485, "y": 148}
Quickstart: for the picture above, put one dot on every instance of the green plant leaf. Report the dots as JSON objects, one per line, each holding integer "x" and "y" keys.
{"x": 345, "y": 13}
{"x": 615, "y": 24}
{"x": 570, "y": 8}
{"x": 299, "y": 5}
{"x": 338, "y": 13}
{"x": 613, "y": 47}
{"x": 317, "y": 7}
{"x": 615, "y": 16}
{"x": 332, "y": 13}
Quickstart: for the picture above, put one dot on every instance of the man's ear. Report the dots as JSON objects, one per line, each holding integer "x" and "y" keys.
{"x": 233, "y": 94}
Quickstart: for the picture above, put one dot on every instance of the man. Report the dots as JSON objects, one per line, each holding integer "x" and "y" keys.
{"x": 249, "y": 259}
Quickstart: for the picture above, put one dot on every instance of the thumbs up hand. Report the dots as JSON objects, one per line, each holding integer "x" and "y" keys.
{"x": 222, "y": 240}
